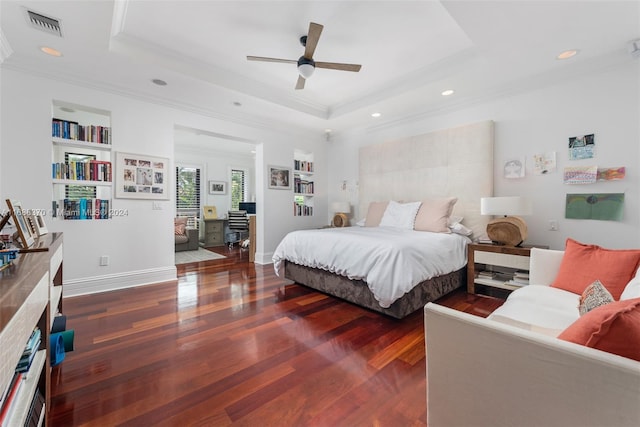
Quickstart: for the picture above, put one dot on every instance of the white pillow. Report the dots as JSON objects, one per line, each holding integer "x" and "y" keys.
{"x": 361, "y": 222}
{"x": 632, "y": 290}
{"x": 400, "y": 215}
{"x": 453, "y": 220}
{"x": 460, "y": 229}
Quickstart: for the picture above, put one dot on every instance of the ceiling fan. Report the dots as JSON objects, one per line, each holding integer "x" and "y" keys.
{"x": 306, "y": 63}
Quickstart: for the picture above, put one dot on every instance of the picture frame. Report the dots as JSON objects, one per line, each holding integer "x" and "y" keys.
{"x": 279, "y": 177}
{"x": 20, "y": 221}
{"x": 209, "y": 212}
{"x": 217, "y": 187}
{"x": 140, "y": 176}
{"x": 38, "y": 225}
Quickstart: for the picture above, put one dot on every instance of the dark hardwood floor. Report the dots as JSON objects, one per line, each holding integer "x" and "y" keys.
{"x": 233, "y": 344}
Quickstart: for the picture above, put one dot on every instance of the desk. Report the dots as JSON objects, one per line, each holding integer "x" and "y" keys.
{"x": 213, "y": 231}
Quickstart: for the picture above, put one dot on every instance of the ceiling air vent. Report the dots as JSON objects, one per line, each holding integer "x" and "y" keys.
{"x": 44, "y": 23}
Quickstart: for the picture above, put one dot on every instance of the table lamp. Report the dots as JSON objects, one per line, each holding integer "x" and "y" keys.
{"x": 341, "y": 210}
{"x": 509, "y": 230}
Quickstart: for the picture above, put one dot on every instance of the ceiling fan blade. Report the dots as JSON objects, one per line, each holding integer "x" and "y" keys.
{"x": 265, "y": 59}
{"x": 312, "y": 39}
{"x": 339, "y": 66}
{"x": 300, "y": 83}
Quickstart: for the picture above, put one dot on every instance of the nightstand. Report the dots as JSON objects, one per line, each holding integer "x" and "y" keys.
{"x": 494, "y": 266}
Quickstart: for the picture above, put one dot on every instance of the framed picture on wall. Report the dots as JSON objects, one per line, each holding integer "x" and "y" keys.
{"x": 217, "y": 187}
{"x": 279, "y": 177}
{"x": 139, "y": 176}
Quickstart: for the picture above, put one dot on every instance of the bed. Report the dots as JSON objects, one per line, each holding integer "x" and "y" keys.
{"x": 429, "y": 170}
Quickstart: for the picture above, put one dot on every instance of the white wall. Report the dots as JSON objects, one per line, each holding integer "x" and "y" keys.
{"x": 139, "y": 245}
{"x": 538, "y": 121}
{"x": 216, "y": 166}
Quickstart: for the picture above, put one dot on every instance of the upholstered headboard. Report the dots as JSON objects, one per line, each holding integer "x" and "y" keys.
{"x": 451, "y": 162}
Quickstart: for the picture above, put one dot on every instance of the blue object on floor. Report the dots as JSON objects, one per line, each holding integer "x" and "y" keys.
{"x": 57, "y": 348}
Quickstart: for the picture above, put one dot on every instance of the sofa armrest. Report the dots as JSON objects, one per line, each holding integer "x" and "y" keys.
{"x": 544, "y": 265}
{"x": 483, "y": 373}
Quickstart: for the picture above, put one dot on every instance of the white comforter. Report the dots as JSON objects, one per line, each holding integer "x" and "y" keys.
{"x": 391, "y": 261}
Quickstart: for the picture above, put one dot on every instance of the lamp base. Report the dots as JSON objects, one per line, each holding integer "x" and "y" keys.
{"x": 508, "y": 231}
{"x": 340, "y": 220}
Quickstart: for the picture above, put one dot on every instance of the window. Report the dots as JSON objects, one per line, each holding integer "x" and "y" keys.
{"x": 188, "y": 191}
{"x": 238, "y": 186}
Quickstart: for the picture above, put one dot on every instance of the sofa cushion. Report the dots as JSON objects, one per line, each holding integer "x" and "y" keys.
{"x": 539, "y": 307}
{"x": 583, "y": 264}
{"x": 594, "y": 296}
{"x": 614, "y": 328}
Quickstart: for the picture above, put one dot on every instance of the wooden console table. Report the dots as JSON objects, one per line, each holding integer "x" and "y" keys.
{"x": 31, "y": 294}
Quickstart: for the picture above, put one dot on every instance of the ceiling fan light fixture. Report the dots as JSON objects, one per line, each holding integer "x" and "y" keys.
{"x": 306, "y": 67}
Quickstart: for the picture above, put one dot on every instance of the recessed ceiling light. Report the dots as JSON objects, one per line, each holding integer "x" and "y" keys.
{"x": 68, "y": 109}
{"x": 159, "y": 82}
{"x": 50, "y": 51}
{"x": 567, "y": 54}
{"x": 237, "y": 103}
{"x": 376, "y": 115}
{"x": 447, "y": 92}
{"x": 327, "y": 130}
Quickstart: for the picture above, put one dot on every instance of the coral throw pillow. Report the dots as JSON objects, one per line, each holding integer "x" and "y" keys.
{"x": 614, "y": 328}
{"x": 583, "y": 264}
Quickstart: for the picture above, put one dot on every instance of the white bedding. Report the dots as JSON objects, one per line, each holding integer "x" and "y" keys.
{"x": 390, "y": 260}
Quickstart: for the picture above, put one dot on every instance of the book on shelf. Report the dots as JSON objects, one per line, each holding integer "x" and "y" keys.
{"x": 74, "y": 131}
{"x": 8, "y": 401}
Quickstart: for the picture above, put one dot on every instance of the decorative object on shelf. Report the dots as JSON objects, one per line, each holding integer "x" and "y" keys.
{"x": 209, "y": 212}
{"x": 6, "y": 256}
{"x": 38, "y": 225}
{"x": 20, "y": 221}
{"x": 217, "y": 187}
{"x": 279, "y": 177}
{"x": 509, "y": 230}
{"x": 139, "y": 176}
{"x": 342, "y": 211}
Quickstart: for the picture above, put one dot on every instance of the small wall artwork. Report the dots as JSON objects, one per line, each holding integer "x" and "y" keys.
{"x": 544, "y": 163}
{"x": 514, "y": 168}
{"x": 600, "y": 206}
{"x": 580, "y": 174}
{"x": 139, "y": 176}
{"x": 611, "y": 174}
{"x": 582, "y": 147}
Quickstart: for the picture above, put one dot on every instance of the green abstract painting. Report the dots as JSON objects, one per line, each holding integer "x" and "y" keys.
{"x": 601, "y": 206}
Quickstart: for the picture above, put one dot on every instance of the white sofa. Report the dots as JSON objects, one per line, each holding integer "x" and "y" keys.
{"x": 511, "y": 370}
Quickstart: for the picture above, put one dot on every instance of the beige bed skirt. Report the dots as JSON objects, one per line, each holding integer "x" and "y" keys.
{"x": 357, "y": 291}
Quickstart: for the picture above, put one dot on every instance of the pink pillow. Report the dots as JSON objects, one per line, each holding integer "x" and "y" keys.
{"x": 434, "y": 215}
{"x": 613, "y": 327}
{"x": 375, "y": 213}
{"x": 583, "y": 264}
{"x": 179, "y": 226}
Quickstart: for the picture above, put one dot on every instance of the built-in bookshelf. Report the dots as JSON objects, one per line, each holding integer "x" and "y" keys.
{"x": 303, "y": 186}
{"x": 81, "y": 167}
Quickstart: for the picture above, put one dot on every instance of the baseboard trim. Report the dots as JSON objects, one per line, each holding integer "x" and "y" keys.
{"x": 111, "y": 282}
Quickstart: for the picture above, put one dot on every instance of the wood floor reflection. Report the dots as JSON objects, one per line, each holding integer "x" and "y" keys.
{"x": 232, "y": 344}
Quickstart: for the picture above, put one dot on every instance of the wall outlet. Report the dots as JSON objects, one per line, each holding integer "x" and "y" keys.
{"x": 104, "y": 260}
{"x": 553, "y": 225}
{"x": 156, "y": 206}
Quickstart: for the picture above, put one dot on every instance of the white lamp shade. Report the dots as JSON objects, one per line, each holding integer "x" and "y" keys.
{"x": 505, "y": 206}
{"x": 341, "y": 207}
{"x": 306, "y": 70}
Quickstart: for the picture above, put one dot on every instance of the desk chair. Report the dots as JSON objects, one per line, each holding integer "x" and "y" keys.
{"x": 239, "y": 226}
